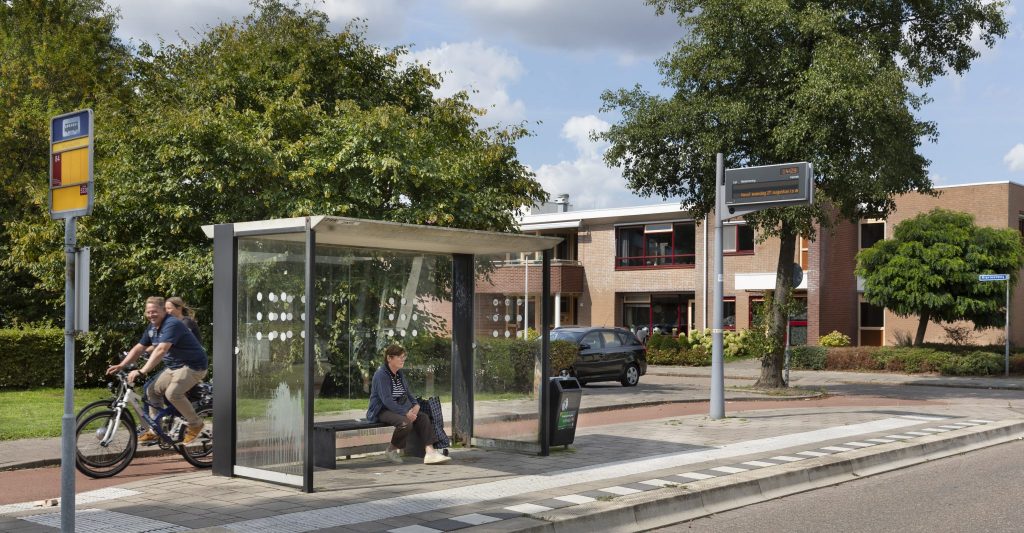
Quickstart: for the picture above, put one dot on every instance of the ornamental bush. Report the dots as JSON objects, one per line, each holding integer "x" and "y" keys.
{"x": 835, "y": 339}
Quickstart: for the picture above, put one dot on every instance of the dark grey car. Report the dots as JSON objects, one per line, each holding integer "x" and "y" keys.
{"x": 606, "y": 354}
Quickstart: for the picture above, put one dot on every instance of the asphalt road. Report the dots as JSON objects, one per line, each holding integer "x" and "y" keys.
{"x": 978, "y": 491}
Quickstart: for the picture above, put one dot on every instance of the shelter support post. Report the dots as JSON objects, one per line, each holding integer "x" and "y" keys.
{"x": 225, "y": 261}
{"x": 463, "y": 279}
{"x": 545, "y": 353}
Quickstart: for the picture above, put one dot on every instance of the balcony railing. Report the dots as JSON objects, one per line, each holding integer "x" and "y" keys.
{"x": 655, "y": 261}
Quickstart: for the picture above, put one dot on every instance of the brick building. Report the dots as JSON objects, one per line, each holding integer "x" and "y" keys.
{"x": 650, "y": 266}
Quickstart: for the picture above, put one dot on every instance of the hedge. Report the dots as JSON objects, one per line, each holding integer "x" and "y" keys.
{"x": 35, "y": 358}
{"x": 909, "y": 360}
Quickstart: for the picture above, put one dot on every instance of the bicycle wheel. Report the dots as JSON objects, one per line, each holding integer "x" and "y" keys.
{"x": 97, "y": 460}
{"x": 199, "y": 453}
{"x": 94, "y": 407}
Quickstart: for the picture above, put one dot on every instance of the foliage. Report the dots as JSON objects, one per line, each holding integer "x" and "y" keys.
{"x": 735, "y": 345}
{"x": 505, "y": 365}
{"x": 771, "y": 81}
{"x": 944, "y": 359}
{"x": 563, "y": 356}
{"x": 835, "y": 339}
{"x": 273, "y": 115}
{"x": 35, "y": 358}
{"x": 930, "y": 269}
{"x": 959, "y": 335}
{"x": 55, "y": 57}
{"x": 809, "y": 357}
{"x": 696, "y": 356}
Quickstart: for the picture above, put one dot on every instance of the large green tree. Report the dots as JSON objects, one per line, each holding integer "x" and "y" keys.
{"x": 930, "y": 269}
{"x": 836, "y": 83}
{"x": 273, "y": 115}
{"x": 55, "y": 57}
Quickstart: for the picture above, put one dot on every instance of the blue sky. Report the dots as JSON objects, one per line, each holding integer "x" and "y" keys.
{"x": 545, "y": 63}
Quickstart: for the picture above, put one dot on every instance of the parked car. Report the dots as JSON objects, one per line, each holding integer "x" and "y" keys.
{"x": 606, "y": 354}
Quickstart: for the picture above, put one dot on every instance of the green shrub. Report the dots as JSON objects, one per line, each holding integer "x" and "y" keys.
{"x": 664, "y": 356}
{"x": 661, "y": 341}
{"x": 35, "y": 358}
{"x": 835, "y": 339}
{"x": 975, "y": 363}
{"x": 696, "y": 356}
{"x": 505, "y": 365}
{"x": 809, "y": 357}
{"x": 563, "y": 356}
{"x": 852, "y": 358}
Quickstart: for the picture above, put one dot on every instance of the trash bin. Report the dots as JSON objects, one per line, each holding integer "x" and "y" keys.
{"x": 563, "y": 409}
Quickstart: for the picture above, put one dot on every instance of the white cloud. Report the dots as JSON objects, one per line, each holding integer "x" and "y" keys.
{"x": 484, "y": 72}
{"x": 148, "y": 20}
{"x": 629, "y": 28}
{"x": 588, "y": 182}
{"x": 1014, "y": 159}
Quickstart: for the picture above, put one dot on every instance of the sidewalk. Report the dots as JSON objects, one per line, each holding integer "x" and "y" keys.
{"x": 621, "y": 474}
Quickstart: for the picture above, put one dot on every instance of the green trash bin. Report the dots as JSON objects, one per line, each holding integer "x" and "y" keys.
{"x": 563, "y": 409}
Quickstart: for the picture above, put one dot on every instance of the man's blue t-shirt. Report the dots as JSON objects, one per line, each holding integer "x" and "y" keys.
{"x": 185, "y": 349}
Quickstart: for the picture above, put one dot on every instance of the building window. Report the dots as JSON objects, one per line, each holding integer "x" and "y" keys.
{"x": 803, "y": 246}
{"x": 871, "y": 231}
{"x": 738, "y": 239}
{"x": 662, "y": 313}
{"x": 729, "y": 313}
{"x": 656, "y": 245}
{"x": 872, "y": 324}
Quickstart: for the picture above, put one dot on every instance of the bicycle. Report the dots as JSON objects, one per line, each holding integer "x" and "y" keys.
{"x": 106, "y": 441}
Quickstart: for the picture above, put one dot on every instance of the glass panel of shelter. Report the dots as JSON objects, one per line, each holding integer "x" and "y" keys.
{"x": 269, "y": 358}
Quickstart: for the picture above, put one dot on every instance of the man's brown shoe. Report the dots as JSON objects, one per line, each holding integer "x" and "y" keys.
{"x": 149, "y": 437}
{"x": 192, "y": 433}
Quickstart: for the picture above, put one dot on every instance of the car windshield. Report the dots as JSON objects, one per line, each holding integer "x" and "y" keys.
{"x": 557, "y": 335}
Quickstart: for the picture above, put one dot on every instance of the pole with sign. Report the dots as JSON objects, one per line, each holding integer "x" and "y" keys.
{"x": 71, "y": 195}
{"x": 742, "y": 191}
{"x": 1006, "y": 350}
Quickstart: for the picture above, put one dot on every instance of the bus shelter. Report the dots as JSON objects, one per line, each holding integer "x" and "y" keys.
{"x": 304, "y": 306}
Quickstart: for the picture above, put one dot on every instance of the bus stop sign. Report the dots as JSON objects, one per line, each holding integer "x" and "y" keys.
{"x": 71, "y": 164}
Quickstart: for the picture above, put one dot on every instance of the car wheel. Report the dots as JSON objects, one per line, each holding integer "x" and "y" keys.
{"x": 630, "y": 376}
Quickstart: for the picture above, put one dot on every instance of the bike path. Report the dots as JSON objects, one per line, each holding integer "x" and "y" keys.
{"x": 619, "y": 474}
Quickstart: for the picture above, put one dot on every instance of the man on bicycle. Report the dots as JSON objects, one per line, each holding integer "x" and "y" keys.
{"x": 184, "y": 357}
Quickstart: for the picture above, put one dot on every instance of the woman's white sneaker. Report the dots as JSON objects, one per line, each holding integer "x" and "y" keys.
{"x": 435, "y": 458}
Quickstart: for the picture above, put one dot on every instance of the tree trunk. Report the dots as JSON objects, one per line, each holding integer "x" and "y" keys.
{"x": 773, "y": 361}
{"x": 922, "y": 326}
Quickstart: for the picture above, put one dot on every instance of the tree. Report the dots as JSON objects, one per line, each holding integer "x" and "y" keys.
{"x": 270, "y": 116}
{"x": 55, "y": 57}
{"x": 930, "y": 269}
{"x": 774, "y": 81}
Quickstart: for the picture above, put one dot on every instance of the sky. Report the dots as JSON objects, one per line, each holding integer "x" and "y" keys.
{"x": 544, "y": 63}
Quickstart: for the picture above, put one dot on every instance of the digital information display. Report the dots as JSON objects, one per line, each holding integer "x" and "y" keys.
{"x": 780, "y": 185}
{"x": 71, "y": 164}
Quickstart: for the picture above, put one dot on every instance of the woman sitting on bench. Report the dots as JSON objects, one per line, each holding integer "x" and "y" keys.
{"x": 392, "y": 403}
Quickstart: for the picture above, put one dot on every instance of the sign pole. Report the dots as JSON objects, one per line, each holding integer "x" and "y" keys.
{"x": 1006, "y": 350}
{"x": 67, "y": 445}
{"x": 717, "y": 359}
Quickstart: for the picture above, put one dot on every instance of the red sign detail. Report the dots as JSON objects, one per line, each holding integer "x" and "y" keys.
{"x": 55, "y": 178}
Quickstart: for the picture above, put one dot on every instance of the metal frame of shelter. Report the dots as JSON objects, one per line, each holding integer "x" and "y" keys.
{"x": 461, "y": 245}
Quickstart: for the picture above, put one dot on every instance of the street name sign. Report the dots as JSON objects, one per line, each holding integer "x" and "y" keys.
{"x": 71, "y": 164}
{"x": 993, "y": 277}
